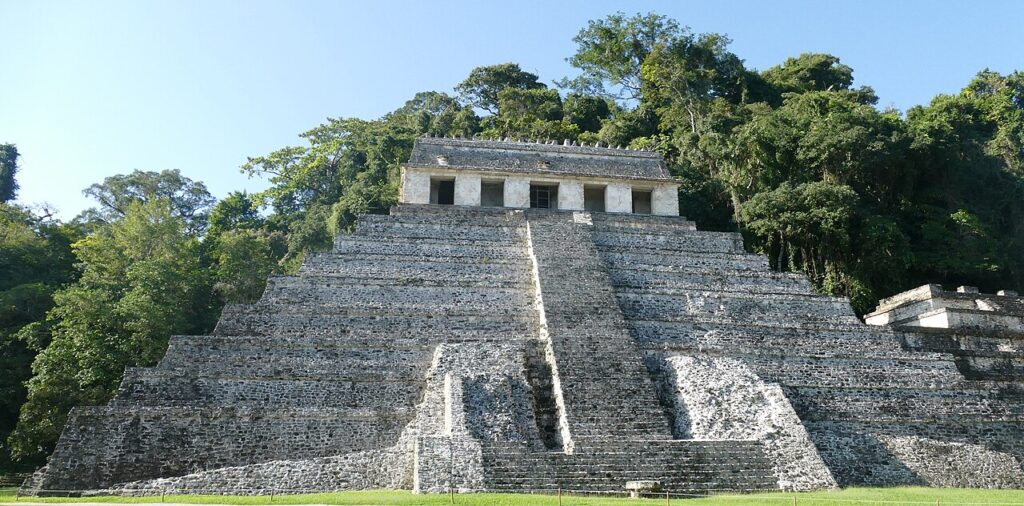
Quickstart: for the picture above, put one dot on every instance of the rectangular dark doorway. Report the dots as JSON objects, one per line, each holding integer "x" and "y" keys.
{"x": 442, "y": 191}
{"x": 543, "y": 196}
{"x": 593, "y": 199}
{"x": 492, "y": 193}
{"x": 641, "y": 202}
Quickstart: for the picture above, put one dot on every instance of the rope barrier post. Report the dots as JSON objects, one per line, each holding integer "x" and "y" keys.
{"x": 794, "y": 500}
{"x": 559, "y": 496}
{"x": 162, "y": 492}
{"x": 271, "y": 495}
{"x": 668, "y": 498}
{"x": 17, "y": 494}
{"x": 451, "y": 494}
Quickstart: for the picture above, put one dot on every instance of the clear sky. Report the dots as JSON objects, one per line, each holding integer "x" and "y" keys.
{"x": 89, "y": 89}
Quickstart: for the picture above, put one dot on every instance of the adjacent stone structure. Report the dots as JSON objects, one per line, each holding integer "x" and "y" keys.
{"x": 931, "y": 306}
{"x": 462, "y": 343}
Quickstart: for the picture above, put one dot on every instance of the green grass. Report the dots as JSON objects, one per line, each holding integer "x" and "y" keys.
{"x": 849, "y": 496}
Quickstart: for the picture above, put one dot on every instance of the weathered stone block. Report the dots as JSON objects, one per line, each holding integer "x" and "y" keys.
{"x": 467, "y": 190}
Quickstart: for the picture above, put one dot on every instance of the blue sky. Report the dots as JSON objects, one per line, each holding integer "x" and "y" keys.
{"x": 92, "y": 89}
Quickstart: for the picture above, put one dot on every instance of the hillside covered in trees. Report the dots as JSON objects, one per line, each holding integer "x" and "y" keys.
{"x": 866, "y": 202}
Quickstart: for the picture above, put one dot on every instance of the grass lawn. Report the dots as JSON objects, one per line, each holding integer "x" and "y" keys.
{"x": 849, "y": 496}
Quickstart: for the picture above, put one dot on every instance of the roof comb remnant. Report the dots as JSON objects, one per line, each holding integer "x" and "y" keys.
{"x": 540, "y": 155}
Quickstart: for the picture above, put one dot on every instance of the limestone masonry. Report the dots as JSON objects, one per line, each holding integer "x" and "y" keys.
{"x": 536, "y": 316}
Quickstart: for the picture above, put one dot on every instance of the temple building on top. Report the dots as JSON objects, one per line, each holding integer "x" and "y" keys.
{"x": 465, "y": 172}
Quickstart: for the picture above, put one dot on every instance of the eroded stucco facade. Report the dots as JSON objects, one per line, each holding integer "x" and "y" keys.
{"x": 618, "y": 193}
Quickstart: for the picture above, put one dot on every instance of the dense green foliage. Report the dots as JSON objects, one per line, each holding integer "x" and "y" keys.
{"x": 8, "y": 170}
{"x": 83, "y": 301}
{"x": 35, "y": 259}
{"x": 866, "y": 202}
{"x": 140, "y": 282}
{"x": 188, "y": 200}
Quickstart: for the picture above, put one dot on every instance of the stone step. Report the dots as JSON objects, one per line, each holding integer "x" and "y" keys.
{"x": 607, "y": 465}
{"x": 696, "y": 470}
{"x": 907, "y": 403}
{"x": 617, "y": 484}
{"x": 612, "y": 221}
{"x": 449, "y": 277}
{"x": 428, "y": 248}
{"x": 331, "y": 261}
{"x": 264, "y": 315}
{"x": 745, "y": 281}
{"x": 736, "y": 306}
{"x": 854, "y": 372}
{"x": 611, "y": 445}
{"x": 623, "y": 256}
{"x": 752, "y": 337}
{"x": 609, "y": 425}
{"x": 796, "y": 324}
{"x": 301, "y": 362}
{"x": 433, "y": 269}
{"x": 332, "y": 295}
{"x": 991, "y": 366}
{"x": 153, "y": 387}
{"x": 598, "y": 468}
{"x": 666, "y": 231}
{"x": 299, "y": 321}
{"x": 966, "y": 342}
{"x": 839, "y": 372}
{"x": 184, "y": 345}
{"x": 693, "y": 242}
{"x": 472, "y": 234}
{"x": 434, "y": 213}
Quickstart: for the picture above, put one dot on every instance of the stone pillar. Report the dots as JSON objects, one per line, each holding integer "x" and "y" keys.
{"x": 618, "y": 198}
{"x": 665, "y": 200}
{"x": 517, "y": 192}
{"x": 467, "y": 190}
{"x": 415, "y": 187}
{"x": 453, "y": 459}
{"x": 570, "y": 196}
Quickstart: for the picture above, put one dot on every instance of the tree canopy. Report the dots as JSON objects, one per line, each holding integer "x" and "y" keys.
{"x": 8, "y": 170}
{"x": 188, "y": 200}
{"x": 484, "y": 85}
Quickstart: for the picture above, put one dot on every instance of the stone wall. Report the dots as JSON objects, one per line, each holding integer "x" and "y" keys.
{"x": 882, "y": 408}
{"x": 415, "y": 189}
{"x": 721, "y": 398}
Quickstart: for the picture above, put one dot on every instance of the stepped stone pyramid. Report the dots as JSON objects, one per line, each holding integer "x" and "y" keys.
{"x": 536, "y": 316}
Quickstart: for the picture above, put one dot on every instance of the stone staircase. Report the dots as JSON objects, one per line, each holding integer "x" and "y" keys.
{"x": 608, "y": 393}
{"x": 694, "y": 467}
{"x": 617, "y": 428}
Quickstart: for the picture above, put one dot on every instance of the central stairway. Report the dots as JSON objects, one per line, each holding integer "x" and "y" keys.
{"x": 607, "y": 390}
{"x": 685, "y": 467}
{"x": 617, "y": 429}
